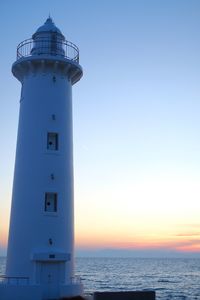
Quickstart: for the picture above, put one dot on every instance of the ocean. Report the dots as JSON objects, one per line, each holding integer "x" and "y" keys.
{"x": 174, "y": 278}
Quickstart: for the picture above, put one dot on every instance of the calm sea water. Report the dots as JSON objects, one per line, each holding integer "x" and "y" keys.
{"x": 175, "y": 279}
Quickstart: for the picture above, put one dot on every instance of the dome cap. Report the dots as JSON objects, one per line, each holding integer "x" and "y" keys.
{"x": 48, "y": 26}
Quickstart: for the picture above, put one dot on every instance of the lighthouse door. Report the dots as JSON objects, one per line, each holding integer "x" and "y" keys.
{"x": 50, "y": 280}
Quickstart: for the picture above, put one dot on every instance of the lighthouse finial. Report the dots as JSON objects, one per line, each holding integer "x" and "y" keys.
{"x": 49, "y": 19}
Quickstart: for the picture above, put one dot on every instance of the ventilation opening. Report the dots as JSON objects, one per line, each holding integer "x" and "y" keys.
{"x": 52, "y": 141}
{"x": 50, "y": 202}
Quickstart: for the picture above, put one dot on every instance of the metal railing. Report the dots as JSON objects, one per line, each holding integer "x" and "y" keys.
{"x": 48, "y": 46}
{"x": 6, "y": 280}
{"x": 76, "y": 280}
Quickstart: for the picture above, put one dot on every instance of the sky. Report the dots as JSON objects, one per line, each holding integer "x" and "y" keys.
{"x": 135, "y": 120}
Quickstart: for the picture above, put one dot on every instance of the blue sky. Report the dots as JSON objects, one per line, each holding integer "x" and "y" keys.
{"x": 136, "y": 117}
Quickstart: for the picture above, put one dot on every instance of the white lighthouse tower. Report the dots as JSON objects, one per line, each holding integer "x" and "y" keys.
{"x": 40, "y": 259}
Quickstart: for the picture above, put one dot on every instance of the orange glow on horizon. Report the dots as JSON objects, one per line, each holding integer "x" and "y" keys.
{"x": 3, "y": 239}
{"x": 172, "y": 243}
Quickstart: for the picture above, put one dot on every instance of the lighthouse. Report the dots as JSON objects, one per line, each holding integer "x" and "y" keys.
{"x": 40, "y": 258}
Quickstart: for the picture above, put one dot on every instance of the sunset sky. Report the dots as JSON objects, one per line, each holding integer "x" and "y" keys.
{"x": 136, "y": 119}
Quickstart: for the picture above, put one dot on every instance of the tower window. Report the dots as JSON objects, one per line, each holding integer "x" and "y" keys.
{"x": 52, "y": 141}
{"x": 50, "y": 202}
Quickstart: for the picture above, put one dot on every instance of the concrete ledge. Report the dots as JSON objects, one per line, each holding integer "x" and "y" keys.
{"x": 136, "y": 295}
{"x": 20, "y": 292}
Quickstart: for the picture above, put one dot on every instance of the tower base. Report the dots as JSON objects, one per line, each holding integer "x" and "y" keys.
{"x": 38, "y": 292}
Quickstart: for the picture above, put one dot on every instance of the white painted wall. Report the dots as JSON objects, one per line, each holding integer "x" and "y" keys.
{"x": 30, "y": 226}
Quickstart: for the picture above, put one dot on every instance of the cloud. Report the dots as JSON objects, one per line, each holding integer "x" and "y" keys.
{"x": 188, "y": 234}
